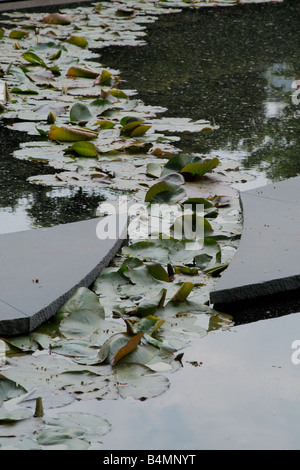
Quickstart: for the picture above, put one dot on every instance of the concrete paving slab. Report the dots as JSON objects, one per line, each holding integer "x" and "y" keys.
{"x": 267, "y": 261}
{"x": 40, "y": 270}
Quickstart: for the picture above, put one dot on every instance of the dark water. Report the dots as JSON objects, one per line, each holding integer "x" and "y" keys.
{"x": 235, "y": 66}
{"x": 232, "y": 65}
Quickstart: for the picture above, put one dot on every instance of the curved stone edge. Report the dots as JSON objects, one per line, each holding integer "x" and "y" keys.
{"x": 64, "y": 258}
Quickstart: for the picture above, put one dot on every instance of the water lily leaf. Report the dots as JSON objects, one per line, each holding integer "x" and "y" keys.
{"x": 78, "y": 41}
{"x": 31, "y": 372}
{"x": 128, "y": 348}
{"x": 150, "y": 306}
{"x": 105, "y": 78}
{"x": 105, "y": 124}
{"x": 129, "y": 127}
{"x": 118, "y": 94}
{"x": 56, "y": 18}
{"x": 68, "y": 437}
{"x": 82, "y": 314}
{"x": 139, "y": 131}
{"x": 19, "y": 443}
{"x": 44, "y": 77}
{"x": 158, "y": 272}
{"x": 33, "y": 58}
{"x": 51, "y": 398}
{"x": 9, "y": 389}
{"x": 84, "y": 72}
{"x": 18, "y": 34}
{"x": 216, "y": 270}
{"x": 14, "y": 415}
{"x": 24, "y": 91}
{"x": 190, "y": 165}
{"x": 80, "y": 112}
{"x": 148, "y": 324}
{"x": 200, "y": 168}
{"x": 148, "y": 251}
{"x": 139, "y": 381}
{"x": 177, "y": 162}
{"x": 154, "y": 169}
{"x": 183, "y": 292}
{"x": 74, "y": 348}
{"x": 56, "y": 55}
{"x": 83, "y": 149}
{"x": 211, "y": 251}
{"x": 102, "y": 105}
{"x": 91, "y": 426}
{"x": 210, "y": 209}
{"x": 71, "y": 134}
{"x": 165, "y": 192}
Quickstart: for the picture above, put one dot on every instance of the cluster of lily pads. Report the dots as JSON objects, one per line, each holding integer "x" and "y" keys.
{"x": 127, "y": 333}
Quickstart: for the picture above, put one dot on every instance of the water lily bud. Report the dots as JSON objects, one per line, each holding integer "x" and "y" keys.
{"x": 51, "y": 117}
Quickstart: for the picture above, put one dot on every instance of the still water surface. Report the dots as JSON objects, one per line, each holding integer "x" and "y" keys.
{"x": 235, "y": 66}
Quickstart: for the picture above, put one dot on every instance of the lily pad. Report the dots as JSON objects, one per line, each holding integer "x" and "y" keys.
{"x": 71, "y": 134}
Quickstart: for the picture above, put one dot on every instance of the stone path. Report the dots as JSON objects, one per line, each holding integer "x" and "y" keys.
{"x": 40, "y": 269}
{"x": 6, "y": 5}
{"x": 267, "y": 261}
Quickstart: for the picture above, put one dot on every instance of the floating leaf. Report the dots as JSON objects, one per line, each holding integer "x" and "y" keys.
{"x": 164, "y": 191}
{"x": 71, "y": 134}
{"x": 140, "y": 130}
{"x": 183, "y": 292}
{"x": 33, "y": 58}
{"x": 200, "y": 168}
{"x": 24, "y": 91}
{"x": 139, "y": 381}
{"x": 104, "y": 124}
{"x": 150, "y": 306}
{"x": 18, "y": 34}
{"x": 14, "y": 415}
{"x": 105, "y": 78}
{"x": 9, "y": 389}
{"x": 82, "y": 312}
{"x": 80, "y": 112}
{"x": 154, "y": 169}
{"x": 190, "y": 165}
{"x": 128, "y": 348}
{"x": 118, "y": 94}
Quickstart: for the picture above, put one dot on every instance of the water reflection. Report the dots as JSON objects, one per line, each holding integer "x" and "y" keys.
{"x": 234, "y": 65}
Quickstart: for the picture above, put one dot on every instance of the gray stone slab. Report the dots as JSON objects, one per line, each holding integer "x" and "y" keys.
{"x": 6, "y": 5}
{"x": 267, "y": 260}
{"x": 40, "y": 270}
